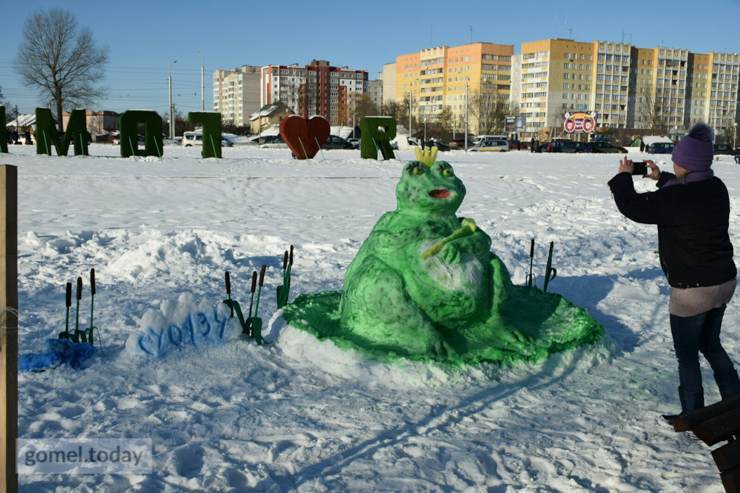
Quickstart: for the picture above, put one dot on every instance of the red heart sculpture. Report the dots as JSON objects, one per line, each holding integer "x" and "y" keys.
{"x": 303, "y": 136}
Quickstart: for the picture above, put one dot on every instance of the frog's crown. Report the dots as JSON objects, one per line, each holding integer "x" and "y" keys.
{"x": 427, "y": 155}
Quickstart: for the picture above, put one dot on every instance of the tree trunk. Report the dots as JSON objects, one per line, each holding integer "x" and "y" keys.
{"x": 60, "y": 118}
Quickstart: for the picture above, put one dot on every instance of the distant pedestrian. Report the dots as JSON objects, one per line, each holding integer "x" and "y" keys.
{"x": 642, "y": 145}
{"x": 532, "y": 144}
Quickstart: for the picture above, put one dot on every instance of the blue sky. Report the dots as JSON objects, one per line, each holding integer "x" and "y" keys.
{"x": 145, "y": 36}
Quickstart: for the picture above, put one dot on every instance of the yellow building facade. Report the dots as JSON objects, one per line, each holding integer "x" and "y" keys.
{"x": 444, "y": 76}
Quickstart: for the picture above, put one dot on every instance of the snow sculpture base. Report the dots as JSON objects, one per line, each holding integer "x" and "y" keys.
{"x": 550, "y": 322}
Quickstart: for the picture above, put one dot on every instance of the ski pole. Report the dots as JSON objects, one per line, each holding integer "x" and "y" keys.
{"x": 530, "y": 280}
{"x": 227, "y": 280}
{"x": 92, "y": 305}
{"x": 550, "y": 271}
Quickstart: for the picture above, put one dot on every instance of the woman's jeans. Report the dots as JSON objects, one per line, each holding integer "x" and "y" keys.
{"x": 692, "y": 335}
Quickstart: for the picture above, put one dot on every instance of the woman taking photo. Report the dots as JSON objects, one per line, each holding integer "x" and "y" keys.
{"x": 691, "y": 209}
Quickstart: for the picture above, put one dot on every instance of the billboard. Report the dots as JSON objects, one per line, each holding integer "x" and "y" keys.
{"x": 580, "y": 122}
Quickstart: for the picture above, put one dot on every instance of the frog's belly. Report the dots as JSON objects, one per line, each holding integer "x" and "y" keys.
{"x": 465, "y": 278}
{"x": 449, "y": 294}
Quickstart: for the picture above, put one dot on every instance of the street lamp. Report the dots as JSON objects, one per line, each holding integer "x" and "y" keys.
{"x": 734, "y": 136}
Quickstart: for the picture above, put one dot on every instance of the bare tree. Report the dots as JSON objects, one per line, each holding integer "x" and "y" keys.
{"x": 490, "y": 110}
{"x": 652, "y": 115}
{"x": 61, "y": 60}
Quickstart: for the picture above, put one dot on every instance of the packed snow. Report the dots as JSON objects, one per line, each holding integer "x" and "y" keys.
{"x": 299, "y": 414}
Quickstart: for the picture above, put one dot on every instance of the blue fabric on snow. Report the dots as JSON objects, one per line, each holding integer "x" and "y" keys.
{"x": 58, "y": 351}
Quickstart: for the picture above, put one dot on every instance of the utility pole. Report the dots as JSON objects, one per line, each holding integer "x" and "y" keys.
{"x": 466, "y": 116}
{"x": 734, "y": 136}
{"x": 172, "y": 104}
{"x": 410, "y": 132}
{"x": 425, "y": 129}
{"x": 172, "y": 108}
{"x": 202, "y": 87}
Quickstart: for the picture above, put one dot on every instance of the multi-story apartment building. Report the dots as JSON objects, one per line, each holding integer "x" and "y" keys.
{"x": 477, "y": 74}
{"x": 628, "y": 87}
{"x": 375, "y": 92}
{"x": 236, "y": 93}
{"x": 315, "y": 89}
{"x": 389, "y": 82}
{"x": 556, "y": 78}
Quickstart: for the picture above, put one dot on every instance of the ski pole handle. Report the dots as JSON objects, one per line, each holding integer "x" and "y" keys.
{"x": 290, "y": 257}
{"x": 92, "y": 281}
{"x": 531, "y": 249}
{"x": 254, "y": 281}
{"x": 227, "y": 279}
{"x": 68, "y": 297}
{"x": 262, "y": 275}
{"x": 285, "y": 260}
{"x": 79, "y": 288}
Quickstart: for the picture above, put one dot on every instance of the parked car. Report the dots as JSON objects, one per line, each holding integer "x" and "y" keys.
{"x": 479, "y": 138}
{"x": 491, "y": 145}
{"x": 336, "y": 142}
{"x": 441, "y": 146}
{"x": 272, "y": 142}
{"x": 559, "y": 145}
{"x": 659, "y": 148}
{"x": 601, "y": 147}
{"x": 723, "y": 149}
{"x": 195, "y": 138}
{"x": 355, "y": 142}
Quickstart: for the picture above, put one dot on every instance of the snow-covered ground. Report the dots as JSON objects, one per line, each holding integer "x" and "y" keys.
{"x": 303, "y": 415}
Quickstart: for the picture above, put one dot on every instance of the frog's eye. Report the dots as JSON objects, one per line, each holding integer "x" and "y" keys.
{"x": 415, "y": 168}
{"x": 447, "y": 172}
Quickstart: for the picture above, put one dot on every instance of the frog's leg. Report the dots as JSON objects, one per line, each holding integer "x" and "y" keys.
{"x": 495, "y": 338}
{"x": 378, "y": 312}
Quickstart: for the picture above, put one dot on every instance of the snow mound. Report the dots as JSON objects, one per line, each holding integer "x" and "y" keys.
{"x": 352, "y": 365}
{"x": 182, "y": 324}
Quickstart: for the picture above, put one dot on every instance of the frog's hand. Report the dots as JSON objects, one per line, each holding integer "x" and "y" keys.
{"x": 467, "y": 228}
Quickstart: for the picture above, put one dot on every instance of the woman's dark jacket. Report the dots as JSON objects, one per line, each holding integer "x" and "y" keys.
{"x": 692, "y": 219}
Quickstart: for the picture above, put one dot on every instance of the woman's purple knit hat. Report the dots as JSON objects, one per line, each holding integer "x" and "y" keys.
{"x": 695, "y": 152}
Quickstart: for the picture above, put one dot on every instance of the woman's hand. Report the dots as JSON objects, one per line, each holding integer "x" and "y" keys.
{"x": 625, "y": 166}
{"x": 654, "y": 170}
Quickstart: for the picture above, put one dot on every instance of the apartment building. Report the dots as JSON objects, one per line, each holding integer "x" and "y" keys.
{"x": 556, "y": 78}
{"x": 236, "y": 94}
{"x": 375, "y": 92}
{"x": 314, "y": 89}
{"x": 628, "y": 87}
{"x": 478, "y": 74}
{"x": 389, "y": 82}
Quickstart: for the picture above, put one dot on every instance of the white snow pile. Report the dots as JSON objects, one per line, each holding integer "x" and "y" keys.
{"x": 299, "y": 414}
{"x": 182, "y": 325}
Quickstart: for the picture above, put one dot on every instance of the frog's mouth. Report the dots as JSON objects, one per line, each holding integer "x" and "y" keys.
{"x": 439, "y": 193}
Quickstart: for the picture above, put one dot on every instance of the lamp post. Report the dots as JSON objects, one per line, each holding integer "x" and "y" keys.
{"x": 734, "y": 136}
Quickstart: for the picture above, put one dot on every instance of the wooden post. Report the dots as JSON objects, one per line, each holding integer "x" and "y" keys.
{"x": 8, "y": 327}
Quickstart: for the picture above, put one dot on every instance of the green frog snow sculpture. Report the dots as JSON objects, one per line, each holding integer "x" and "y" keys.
{"x": 425, "y": 286}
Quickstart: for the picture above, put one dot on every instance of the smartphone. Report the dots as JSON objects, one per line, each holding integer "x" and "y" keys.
{"x": 640, "y": 168}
